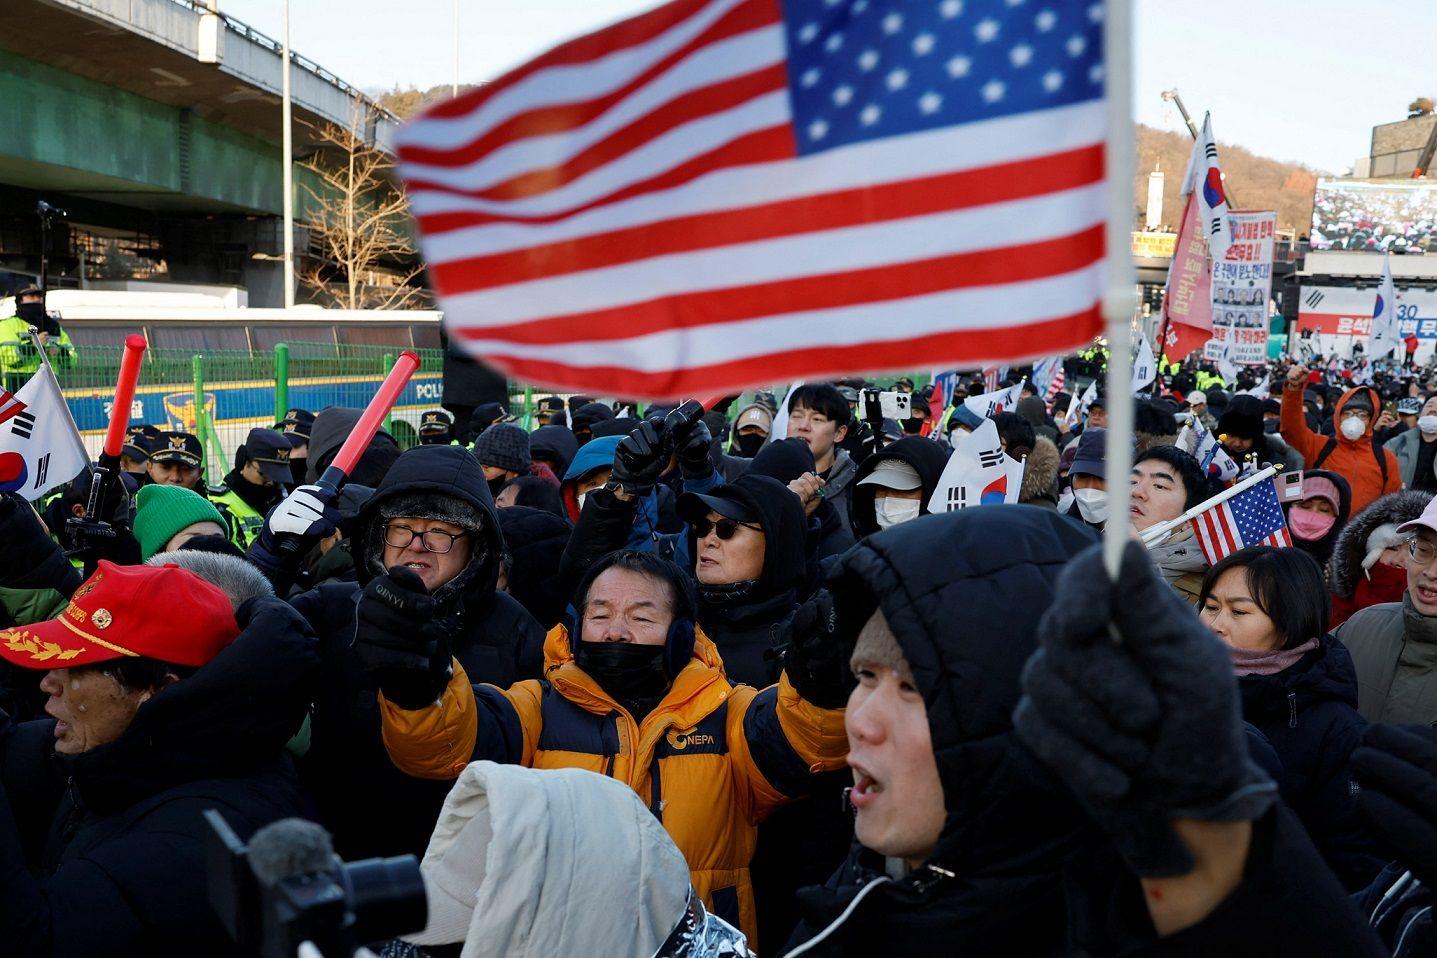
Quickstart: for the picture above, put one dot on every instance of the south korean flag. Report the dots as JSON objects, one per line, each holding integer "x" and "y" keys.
{"x": 40, "y": 447}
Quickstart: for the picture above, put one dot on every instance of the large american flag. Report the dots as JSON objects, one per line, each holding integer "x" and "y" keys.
{"x": 719, "y": 193}
{"x": 1252, "y": 517}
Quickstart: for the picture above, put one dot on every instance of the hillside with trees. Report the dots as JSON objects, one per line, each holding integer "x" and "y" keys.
{"x": 1253, "y": 182}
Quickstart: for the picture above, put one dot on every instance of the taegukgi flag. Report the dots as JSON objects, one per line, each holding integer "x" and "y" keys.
{"x": 1385, "y": 332}
{"x": 1204, "y": 181}
{"x": 40, "y": 447}
{"x": 979, "y": 473}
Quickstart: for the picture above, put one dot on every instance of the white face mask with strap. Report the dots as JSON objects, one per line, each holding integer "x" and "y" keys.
{"x": 1353, "y": 427}
{"x": 891, "y": 510}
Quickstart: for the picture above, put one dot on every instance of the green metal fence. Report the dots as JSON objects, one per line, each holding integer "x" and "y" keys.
{"x": 219, "y": 395}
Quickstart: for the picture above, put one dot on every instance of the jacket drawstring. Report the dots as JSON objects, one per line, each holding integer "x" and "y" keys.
{"x": 1292, "y": 710}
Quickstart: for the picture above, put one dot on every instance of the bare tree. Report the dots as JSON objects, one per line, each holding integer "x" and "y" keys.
{"x": 362, "y": 253}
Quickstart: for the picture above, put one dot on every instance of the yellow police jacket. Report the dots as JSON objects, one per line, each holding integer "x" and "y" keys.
{"x": 17, "y": 349}
{"x": 713, "y": 759}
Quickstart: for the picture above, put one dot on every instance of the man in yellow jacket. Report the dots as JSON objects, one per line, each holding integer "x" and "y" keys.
{"x": 641, "y": 697}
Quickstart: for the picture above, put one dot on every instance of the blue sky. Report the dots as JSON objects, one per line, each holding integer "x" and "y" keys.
{"x": 1302, "y": 81}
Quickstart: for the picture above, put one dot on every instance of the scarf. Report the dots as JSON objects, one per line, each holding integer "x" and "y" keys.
{"x": 1250, "y": 662}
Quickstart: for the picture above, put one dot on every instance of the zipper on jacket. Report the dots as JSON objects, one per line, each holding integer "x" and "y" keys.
{"x": 609, "y": 760}
{"x": 1292, "y": 710}
{"x": 656, "y": 791}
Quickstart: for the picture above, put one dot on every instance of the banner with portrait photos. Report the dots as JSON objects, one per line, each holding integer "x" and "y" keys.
{"x": 1242, "y": 289}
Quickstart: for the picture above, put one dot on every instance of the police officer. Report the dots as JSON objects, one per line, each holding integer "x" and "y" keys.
{"x": 135, "y": 454}
{"x": 296, "y": 426}
{"x": 436, "y": 428}
{"x": 549, "y": 411}
{"x": 177, "y": 459}
{"x": 255, "y": 484}
{"x": 19, "y": 359}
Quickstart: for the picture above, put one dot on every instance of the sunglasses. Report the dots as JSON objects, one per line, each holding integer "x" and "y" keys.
{"x": 725, "y": 527}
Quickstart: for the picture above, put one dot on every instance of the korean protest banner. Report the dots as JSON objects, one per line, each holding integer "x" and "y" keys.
{"x": 1242, "y": 288}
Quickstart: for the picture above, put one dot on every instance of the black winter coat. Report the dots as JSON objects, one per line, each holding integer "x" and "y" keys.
{"x": 962, "y": 593}
{"x": 104, "y": 853}
{"x": 1308, "y": 713}
{"x": 534, "y": 542}
{"x": 369, "y": 805}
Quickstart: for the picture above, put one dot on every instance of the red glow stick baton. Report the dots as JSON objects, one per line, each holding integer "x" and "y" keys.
{"x": 124, "y": 395}
{"x": 369, "y": 423}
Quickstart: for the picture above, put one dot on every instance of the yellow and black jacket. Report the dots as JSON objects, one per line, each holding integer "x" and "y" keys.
{"x": 713, "y": 759}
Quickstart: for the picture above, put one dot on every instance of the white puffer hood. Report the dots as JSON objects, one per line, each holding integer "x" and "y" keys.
{"x": 526, "y": 863}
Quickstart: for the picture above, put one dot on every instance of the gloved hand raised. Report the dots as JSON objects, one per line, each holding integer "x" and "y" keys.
{"x": 641, "y": 458}
{"x": 400, "y": 640}
{"x": 305, "y": 516}
{"x": 693, "y": 443}
{"x": 818, "y": 659}
{"x": 1133, "y": 703}
{"x": 1396, "y": 766}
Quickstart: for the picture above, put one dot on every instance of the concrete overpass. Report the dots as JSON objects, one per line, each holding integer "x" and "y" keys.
{"x": 156, "y": 125}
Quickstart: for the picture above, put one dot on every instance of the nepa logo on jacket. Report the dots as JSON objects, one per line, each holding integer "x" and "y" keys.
{"x": 705, "y": 738}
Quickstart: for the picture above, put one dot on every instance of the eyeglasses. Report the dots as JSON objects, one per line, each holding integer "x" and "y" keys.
{"x": 1423, "y": 552}
{"x": 435, "y": 540}
{"x": 725, "y": 527}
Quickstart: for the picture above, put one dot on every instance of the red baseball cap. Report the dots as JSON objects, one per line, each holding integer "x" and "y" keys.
{"x": 159, "y": 612}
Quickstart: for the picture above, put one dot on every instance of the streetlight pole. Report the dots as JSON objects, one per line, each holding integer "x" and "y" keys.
{"x": 288, "y": 170}
{"x": 454, "y": 87}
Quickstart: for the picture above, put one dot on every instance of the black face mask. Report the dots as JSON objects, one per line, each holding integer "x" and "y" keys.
{"x": 297, "y": 470}
{"x": 748, "y": 445}
{"x": 495, "y": 484}
{"x": 32, "y": 313}
{"x": 633, "y": 674}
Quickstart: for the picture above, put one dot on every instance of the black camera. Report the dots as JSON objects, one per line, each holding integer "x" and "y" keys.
{"x": 288, "y": 889}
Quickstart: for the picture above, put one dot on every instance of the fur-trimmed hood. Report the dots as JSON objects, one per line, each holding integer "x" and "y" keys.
{"x": 1040, "y": 475}
{"x": 1345, "y": 566}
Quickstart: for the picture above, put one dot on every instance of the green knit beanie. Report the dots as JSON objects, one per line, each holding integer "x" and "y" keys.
{"x": 162, "y": 511}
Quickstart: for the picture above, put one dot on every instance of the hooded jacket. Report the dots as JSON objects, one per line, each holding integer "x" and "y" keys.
{"x": 529, "y": 864}
{"x": 962, "y": 593}
{"x": 534, "y": 542}
{"x": 123, "y": 871}
{"x": 1321, "y": 550}
{"x": 1352, "y": 586}
{"x": 1308, "y": 713}
{"x": 750, "y": 626}
{"x": 927, "y": 459}
{"x": 826, "y": 534}
{"x": 1355, "y": 459}
{"x": 558, "y": 441}
{"x": 491, "y": 634}
{"x": 839, "y": 479}
{"x": 711, "y": 760}
{"x": 331, "y": 428}
{"x": 1040, "y": 475}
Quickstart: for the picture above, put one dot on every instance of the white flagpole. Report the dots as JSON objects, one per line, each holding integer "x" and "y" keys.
{"x": 45, "y": 361}
{"x": 1119, "y": 298}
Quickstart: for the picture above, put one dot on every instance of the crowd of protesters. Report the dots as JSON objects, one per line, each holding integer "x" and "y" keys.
{"x": 717, "y": 681}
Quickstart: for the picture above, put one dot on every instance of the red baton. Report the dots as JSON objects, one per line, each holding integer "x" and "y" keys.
{"x": 124, "y": 395}
{"x": 369, "y": 423}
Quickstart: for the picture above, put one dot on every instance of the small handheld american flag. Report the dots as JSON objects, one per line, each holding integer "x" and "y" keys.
{"x": 1252, "y": 517}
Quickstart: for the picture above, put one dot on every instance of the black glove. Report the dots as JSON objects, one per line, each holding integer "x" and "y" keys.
{"x": 1396, "y": 766}
{"x": 694, "y": 444}
{"x": 1133, "y": 703}
{"x": 818, "y": 659}
{"x": 400, "y": 641}
{"x": 640, "y": 458}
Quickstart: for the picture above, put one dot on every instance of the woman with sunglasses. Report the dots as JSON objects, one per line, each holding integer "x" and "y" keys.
{"x": 748, "y": 540}
{"x": 1299, "y": 688}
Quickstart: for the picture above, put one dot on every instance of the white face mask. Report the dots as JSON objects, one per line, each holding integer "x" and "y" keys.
{"x": 581, "y": 497}
{"x": 891, "y": 510}
{"x": 1353, "y": 428}
{"x": 1092, "y": 505}
{"x": 1428, "y": 424}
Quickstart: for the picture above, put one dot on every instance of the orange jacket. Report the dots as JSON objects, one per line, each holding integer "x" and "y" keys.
{"x": 1353, "y": 459}
{"x": 712, "y": 759}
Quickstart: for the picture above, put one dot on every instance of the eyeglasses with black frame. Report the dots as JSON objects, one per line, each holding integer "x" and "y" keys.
{"x": 725, "y": 527}
{"x": 1423, "y": 552}
{"x": 436, "y": 541}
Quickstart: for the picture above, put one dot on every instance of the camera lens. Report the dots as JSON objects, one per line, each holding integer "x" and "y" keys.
{"x": 387, "y": 898}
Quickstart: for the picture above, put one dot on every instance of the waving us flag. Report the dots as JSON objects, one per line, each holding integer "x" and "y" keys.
{"x": 720, "y": 193}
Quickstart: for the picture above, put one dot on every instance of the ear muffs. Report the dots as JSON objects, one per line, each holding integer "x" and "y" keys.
{"x": 679, "y": 646}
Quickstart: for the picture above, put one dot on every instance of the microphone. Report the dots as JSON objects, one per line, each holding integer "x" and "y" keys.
{"x": 290, "y": 848}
